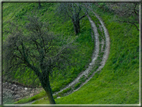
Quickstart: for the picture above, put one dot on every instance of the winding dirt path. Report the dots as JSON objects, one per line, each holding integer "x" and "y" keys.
{"x": 105, "y": 42}
{"x": 91, "y": 64}
{"x": 107, "y": 48}
{"x": 95, "y": 54}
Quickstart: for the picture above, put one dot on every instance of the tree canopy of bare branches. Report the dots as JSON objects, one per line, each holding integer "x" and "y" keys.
{"x": 33, "y": 47}
{"x": 128, "y": 12}
{"x": 75, "y": 11}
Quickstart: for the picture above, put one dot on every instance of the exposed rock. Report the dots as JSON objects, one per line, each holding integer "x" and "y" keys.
{"x": 15, "y": 92}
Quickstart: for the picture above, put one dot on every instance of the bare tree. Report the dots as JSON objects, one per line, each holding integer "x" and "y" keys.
{"x": 129, "y": 12}
{"x": 34, "y": 48}
{"x": 75, "y": 11}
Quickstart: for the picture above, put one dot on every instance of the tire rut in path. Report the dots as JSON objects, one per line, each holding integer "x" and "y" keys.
{"x": 107, "y": 47}
{"x": 95, "y": 55}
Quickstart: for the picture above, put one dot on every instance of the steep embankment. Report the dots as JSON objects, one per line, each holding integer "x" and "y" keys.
{"x": 47, "y": 13}
{"x": 118, "y": 82}
{"x": 99, "y": 56}
{"x": 104, "y": 49}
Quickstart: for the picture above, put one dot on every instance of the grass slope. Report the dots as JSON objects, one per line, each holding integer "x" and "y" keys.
{"x": 118, "y": 82}
{"x": 81, "y": 56}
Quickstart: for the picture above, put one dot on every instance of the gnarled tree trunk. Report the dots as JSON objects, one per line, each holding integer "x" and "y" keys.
{"x": 76, "y": 25}
{"x": 46, "y": 86}
{"x": 49, "y": 93}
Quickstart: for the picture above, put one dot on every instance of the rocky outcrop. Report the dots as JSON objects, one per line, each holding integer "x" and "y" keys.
{"x": 13, "y": 92}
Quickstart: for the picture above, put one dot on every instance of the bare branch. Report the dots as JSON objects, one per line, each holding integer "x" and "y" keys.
{"x": 36, "y": 51}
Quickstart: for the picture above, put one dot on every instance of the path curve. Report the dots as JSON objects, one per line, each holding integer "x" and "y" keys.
{"x": 107, "y": 48}
{"x": 94, "y": 56}
{"x": 91, "y": 64}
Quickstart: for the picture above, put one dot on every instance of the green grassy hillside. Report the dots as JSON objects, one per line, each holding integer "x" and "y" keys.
{"x": 118, "y": 81}
{"x": 82, "y": 53}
